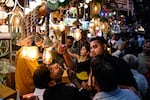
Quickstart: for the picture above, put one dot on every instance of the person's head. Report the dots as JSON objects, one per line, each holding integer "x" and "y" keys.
{"x": 47, "y": 76}
{"x": 117, "y": 36}
{"x": 41, "y": 77}
{"x": 85, "y": 49}
{"x": 104, "y": 73}
{"x": 146, "y": 46}
{"x": 98, "y": 46}
{"x": 132, "y": 60}
{"x": 69, "y": 41}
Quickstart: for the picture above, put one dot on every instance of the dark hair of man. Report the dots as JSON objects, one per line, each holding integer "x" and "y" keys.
{"x": 105, "y": 74}
{"x": 70, "y": 37}
{"x": 101, "y": 40}
{"x": 41, "y": 77}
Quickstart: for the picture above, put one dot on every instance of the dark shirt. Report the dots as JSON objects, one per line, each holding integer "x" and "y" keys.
{"x": 63, "y": 92}
{"x": 83, "y": 66}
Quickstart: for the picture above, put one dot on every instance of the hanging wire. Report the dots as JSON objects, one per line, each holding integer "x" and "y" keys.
{"x": 47, "y": 24}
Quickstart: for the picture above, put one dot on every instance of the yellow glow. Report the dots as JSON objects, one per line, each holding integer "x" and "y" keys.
{"x": 47, "y": 56}
{"x": 30, "y": 52}
{"x": 61, "y": 26}
{"x": 77, "y": 34}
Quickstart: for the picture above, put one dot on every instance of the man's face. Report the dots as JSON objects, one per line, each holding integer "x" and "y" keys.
{"x": 56, "y": 71}
{"x": 96, "y": 48}
{"x": 146, "y": 47}
{"x": 69, "y": 43}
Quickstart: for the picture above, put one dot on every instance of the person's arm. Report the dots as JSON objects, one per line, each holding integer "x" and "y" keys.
{"x": 74, "y": 55}
{"x": 62, "y": 49}
{"x": 84, "y": 93}
{"x": 118, "y": 52}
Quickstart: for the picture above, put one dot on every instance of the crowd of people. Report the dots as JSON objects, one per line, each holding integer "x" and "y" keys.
{"x": 94, "y": 72}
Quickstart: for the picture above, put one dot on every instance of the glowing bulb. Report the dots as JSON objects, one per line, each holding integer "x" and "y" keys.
{"x": 47, "y": 56}
{"x": 61, "y": 1}
{"x": 77, "y": 34}
{"x": 30, "y": 52}
{"x": 10, "y": 3}
{"x": 61, "y": 26}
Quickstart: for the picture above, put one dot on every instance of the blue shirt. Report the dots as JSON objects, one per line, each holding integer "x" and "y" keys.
{"x": 117, "y": 94}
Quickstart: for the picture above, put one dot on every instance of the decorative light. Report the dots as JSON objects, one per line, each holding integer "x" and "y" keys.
{"x": 77, "y": 34}
{"x": 114, "y": 13}
{"x": 85, "y": 6}
{"x": 87, "y": 1}
{"x": 2, "y": 1}
{"x": 32, "y": 4}
{"x": 61, "y": 1}
{"x": 10, "y": 3}
{"x": 95, "y": 9}
{"x": 3, "y": 14}
{"x": 30, "y": 52}
{"x": 27, "y": 10}
{"x": 61, "y": 26}
{"x": 47, "y": 56}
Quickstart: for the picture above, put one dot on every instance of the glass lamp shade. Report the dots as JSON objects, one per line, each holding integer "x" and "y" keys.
{"x": 47, "y": 56}
{"x": 77, "y": 34}
{"x": 61, "y": 26}
{"x": 30, "y": 52}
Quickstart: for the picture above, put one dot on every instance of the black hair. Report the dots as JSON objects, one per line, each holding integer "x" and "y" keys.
{"x": 41, "y": 77}
{"x": 104, "y": 72}
{"x": 87, "y": 46}
{"x": 101, "y": 40}
{"x": 70, "y": 37}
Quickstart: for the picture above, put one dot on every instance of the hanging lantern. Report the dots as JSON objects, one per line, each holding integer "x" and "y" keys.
{"x": 30, "y": 52}
{"x": 61, "y": 26}
{"x": 10, "y": 3}
{"x": 77, "y": 34}
{"x": 47, "y": 56}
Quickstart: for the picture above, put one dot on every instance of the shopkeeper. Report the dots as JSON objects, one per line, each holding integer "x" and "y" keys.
{"x": 24, "y": 73}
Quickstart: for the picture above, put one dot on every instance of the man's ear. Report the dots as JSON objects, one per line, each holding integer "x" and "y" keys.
{"x": 51, "y": 83}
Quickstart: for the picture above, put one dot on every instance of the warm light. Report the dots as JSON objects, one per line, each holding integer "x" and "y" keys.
{"x": 47, "y": 56}
{"x": 61, "y": 26}
{"x": 2, "y": 1}
{"x": 32, "y": 4}
{"x": 3, "y": 14}
{"x": 61, "y": 1}
{"x": 95, "y": 8}
{"x": 10, "y": 3}
{"x": 77, "y": 34}
{"x": 91, "y": 25}
{"x": 30, "y": 52}
{"x": 4, "y": 28}
{"x": 87, "y": 1}
{"x": 27, "y": 10}
{"x": 16, "y": 21}
{"x": 97, "y": 28}
{"x": 85, "y": 6}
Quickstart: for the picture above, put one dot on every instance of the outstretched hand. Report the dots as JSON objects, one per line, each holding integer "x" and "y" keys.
{"x": 62, "y": 48}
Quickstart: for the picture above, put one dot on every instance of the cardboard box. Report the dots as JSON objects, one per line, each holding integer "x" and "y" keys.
{"x": 6, "y": 92}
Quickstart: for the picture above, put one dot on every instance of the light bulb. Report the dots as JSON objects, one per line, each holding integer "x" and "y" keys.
{"x": 61, "y": 1}
{"x": 77, "y": 34}
{"x": 47, "y": 56}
